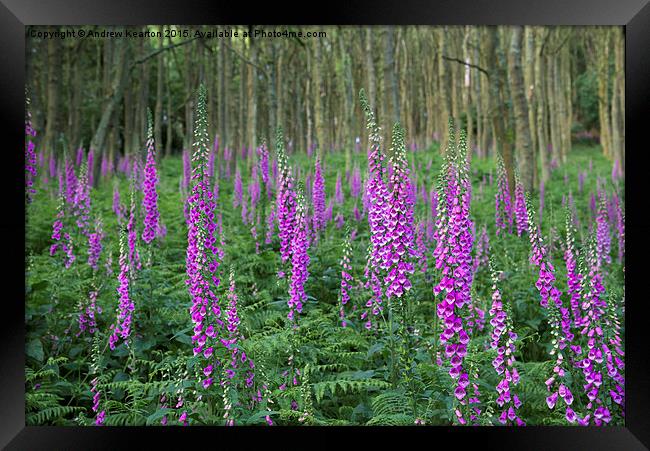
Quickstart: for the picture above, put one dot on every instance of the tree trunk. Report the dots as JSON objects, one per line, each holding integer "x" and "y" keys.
{"x": 540, "y": 99}
{"x": 497, "y": 108}
{"x": 523, "y": 141}
{"x": 120, "y": 79}
{"x": 54, "y": 63}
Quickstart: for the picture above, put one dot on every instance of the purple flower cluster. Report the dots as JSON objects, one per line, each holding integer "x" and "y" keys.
{"x": 601, "y": 365}
{"x": 91, "y": 167}
{"x": 263, "y": 158}
{"x": 355, "y": 182}
{"x": 187, "y": 171}
{"x": 95, "y": 245}
{"x": 101, "y": 416}
{"x": 118, "y": 208}
{"x": 285, "y": 200}
{"x": 202, "y": 260}
{"x": 87, "y": 312}
{"x": 482, "y": 251}
{"x": 122, "y": 327}
{"x": 558, "y": 317}
{"x": 61, "y": 237}
{"x": 70, "y": 183}
{"x": 453, "y": 260}
{"x": 539, "y": 257}
{"x": 398, "y": 248}
{"x": 603, "y": 237}
{"x": 270, "y": 224}
{"x": 80, "y": 156}
{"x": 299, "y": 259}
{"x": 377, "y": 203}
{"x": 503, "y": 207}
{"x": 421, "y": 246}
{"x": 502, "y": 339}
{"x": 574, "y": 277}
{"x": 238, "y": 199}
{"x": 318, "y": 197}
{"x": 134, "y": 254}
{"x": 338, "y": 191}
{"x": 620, "y": 227}
{"x": 30, "y": 159}
{"x": 150, "y": 198}
{"x": 521, "y": 214}
{"x": 230, "y": 342}
{"x": 81, "y": 201}
{"x": 346, "y": 278}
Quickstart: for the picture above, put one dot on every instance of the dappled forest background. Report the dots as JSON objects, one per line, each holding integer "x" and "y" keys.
{"x": 531, "y": 91}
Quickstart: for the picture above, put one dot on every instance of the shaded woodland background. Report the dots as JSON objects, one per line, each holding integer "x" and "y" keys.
{"x": 526, "y": 91}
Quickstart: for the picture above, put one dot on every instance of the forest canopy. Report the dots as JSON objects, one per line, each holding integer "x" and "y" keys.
{"x": 523, "y": 88}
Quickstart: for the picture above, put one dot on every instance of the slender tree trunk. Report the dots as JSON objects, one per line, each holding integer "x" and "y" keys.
{"x": 531, "y": 96}
{"x": 121, "y": 64}
{"x": 523, "y": 140}
{"x": 540, "y": 100}
{"x": 497, "y": 108}
{"x": 54, "y": 63}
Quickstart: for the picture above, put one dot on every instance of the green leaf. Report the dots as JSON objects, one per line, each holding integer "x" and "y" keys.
{"x": 34, "y": 349}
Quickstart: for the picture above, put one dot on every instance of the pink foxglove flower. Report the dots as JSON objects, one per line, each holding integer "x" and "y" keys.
{"x": 202, "y": 260}
{"x": 285, "y": 200}
{"x": 150, "y": 198}
{"x": 122, "y": 327}
{"x": 346, "y": 278}
{"x": 95, "y": 245}
{"x": 318, "y": 197}
{"x": 299, "y": 259}
{"x": 453, "y": 258}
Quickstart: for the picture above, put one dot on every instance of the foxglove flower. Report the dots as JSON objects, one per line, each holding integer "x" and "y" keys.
{"x": 263, "y": 158}
{"x": 94, "y": 389}
{"x": 482, "y": 251}
{"x": 150, "y": 198}
{"x": 122, "y": 327}
{"x": 95, "y": 245}
{"x": 376, "y": 195}
{"x": 422, "y": 251}
{"x": 118, "y": 209}
{"x": 80, "y": 156}
{"x": 134, "y": 254}
{"x": 603, "y": 238}
{"x": 620, "y": 228}
{"x": 87, "y": 314}
{"x": 30, "y": 158}
{"x": 346, "y": 278}
{"x": 285, "y": 200}
{"x": 61, "y": 237}
{"x": 81, "y": 202}
{"x": 503, "y": 207}
{"x": 91, "y": 167}
{"x": 453, "y": 259}
{"x": 338, "y": 192}
{"x": 299, "y": 259}
{"x": 521, "y": 214}
{"x": 202, "y": 260}
{"x": 238, "y": 199}
{"x": 70, "y": 182}
{"x": 574, "y": 277}
{"x": 318, "y": 197}
{"x": 355, "y": 183}
{"x": 398, "y": 250}
{"x": 503, "y": 340}
{"x": 187, "y": 171}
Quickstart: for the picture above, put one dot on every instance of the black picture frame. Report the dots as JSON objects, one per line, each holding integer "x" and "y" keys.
{"x": 634, "y": 15}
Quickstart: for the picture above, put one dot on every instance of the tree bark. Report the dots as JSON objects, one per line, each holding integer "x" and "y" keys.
{"x": 523, "y": 140}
